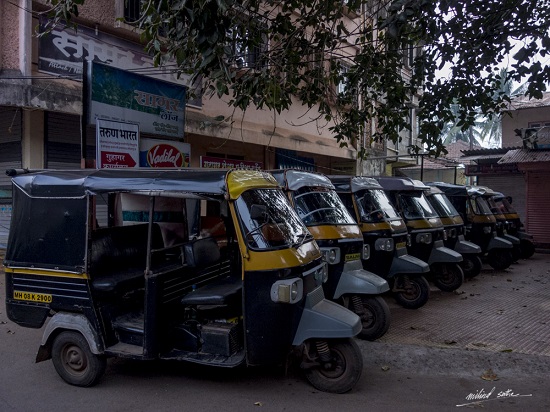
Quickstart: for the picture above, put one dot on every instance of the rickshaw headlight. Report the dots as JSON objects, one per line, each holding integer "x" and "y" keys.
{"x": 384, "y": 244}
{"x": 332, "y": 255}
{"x": 287, "y": 290}
{"x": 487, "y": 229}
{"x": 409, "y": 240}
{"x": 366, "y": 252}
{"x": 445, "y": 234}
{"x": 424, "y": 238}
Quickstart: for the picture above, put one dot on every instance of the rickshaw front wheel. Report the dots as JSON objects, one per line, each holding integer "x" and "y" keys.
{"x": 527, "y": 248}
{"x": 374, "y": 313}
{"x": 340, "y": 365}
{"x": 74, "y": 361}
{"x": 448, "y": 277}
{"x": 471, "y": 265}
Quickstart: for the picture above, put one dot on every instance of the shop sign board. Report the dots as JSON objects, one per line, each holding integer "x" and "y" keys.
{"x": 157, "y": 106}
{"x": 117, "y": 144}
{"x": 164, "y": 153}
{"x": 221, "y": 163}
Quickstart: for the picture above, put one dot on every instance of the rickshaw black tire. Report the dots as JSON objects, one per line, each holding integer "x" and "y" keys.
{"x": 516, "y": 253}
{"x": 345, "y": 353}
{"x": 499, "y": 259}
{"x": 74, "y": 361}
{"x": 421, "y": 293}
{"x": 527, "y": 248}
{"x": 378, "y": 312}
{"x": 471, "y": 265}
{"x": 452, "y": 281}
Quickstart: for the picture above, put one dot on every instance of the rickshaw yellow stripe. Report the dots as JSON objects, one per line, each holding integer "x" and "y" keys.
{"x": 45, "y": 272}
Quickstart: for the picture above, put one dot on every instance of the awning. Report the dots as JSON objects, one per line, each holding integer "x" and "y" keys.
{"x": 525, "y": 156}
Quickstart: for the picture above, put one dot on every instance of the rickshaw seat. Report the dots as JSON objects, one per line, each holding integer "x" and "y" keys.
{"x": 202, "y": 252}
{"x": 118, "y": 256}
{"x": 220, "y": 292}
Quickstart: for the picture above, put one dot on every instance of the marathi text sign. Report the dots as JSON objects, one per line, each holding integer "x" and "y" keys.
{"x": 219, "y": 163}
{"x": 117, "y": 144}
{"x": 62, "y": 51}
{"x": 156, "y": 106}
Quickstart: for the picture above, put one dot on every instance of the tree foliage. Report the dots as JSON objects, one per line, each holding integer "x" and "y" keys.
{"x": 309, "y": 53}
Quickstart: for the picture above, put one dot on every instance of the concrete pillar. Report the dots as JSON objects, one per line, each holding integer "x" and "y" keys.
{"x": 32, "y": 144}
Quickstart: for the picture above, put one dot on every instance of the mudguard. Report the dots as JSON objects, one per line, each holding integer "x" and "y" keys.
{"x": 512, "y": 239}
{"x": 356, "y": 280}
{"x": 69, "y": 321}
{"x": 524, "y": 235}
{"x": 407, "y": 264}
{"x": 499, "y": 243}
{"x": 323, "y": 319}
{"x": 464, "y": 246}
{"x": 442, "y": 254}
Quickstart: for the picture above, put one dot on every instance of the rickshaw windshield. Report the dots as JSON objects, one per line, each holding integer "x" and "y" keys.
{"x": 443, "y": 206}
{"x": 480, "y": 206}
{"x": 415, "y": 205}
{"x": 374, "y": 206}
{"x": 268, "y": 220}
{"x": 321, "y": 206}
{"x": 494, "y": 207}
{"x": 505, "y": 206}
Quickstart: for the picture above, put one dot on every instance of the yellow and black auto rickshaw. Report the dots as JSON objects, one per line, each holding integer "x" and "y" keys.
{"x": 502, "y": 224}
{"x": 514, "y": 224}
{"x": 385, "y": 233}
{"x": 480, "y": 224}
{"x": 339, "y": 237}
{"x": 426, "y": 230}
{"x": 205, "y": 266}
{"x": 454, "y": 229}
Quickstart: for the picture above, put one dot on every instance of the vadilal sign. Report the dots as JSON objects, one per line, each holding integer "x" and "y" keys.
{"x": 164, "y": 153}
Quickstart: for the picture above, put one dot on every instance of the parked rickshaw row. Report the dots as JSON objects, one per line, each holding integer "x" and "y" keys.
{"x": 229, "y": 268}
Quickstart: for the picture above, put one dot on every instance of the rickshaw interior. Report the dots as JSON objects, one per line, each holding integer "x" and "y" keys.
{"x": 186, "y": 243}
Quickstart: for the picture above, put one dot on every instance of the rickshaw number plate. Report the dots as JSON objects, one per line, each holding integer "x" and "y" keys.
{"x": 400, "y": 245}
{"x": 33, "y": 297}
{"x": 352, "y": 256}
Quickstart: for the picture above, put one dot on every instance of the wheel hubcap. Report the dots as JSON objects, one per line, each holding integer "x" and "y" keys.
{"x": 74, "y": 359}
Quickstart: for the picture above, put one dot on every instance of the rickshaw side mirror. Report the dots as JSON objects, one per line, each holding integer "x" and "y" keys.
{"x": 258, "y": 213}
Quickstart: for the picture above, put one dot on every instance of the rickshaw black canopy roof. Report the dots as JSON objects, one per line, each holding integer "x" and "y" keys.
{"x": 450, "y": 189}
{"x": 353, "y": 183}
{"x": 79, "y": 183}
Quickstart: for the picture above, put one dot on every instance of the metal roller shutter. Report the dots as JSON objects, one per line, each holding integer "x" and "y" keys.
{"x": 10, "y": 158}
{"x": 511, "y": 185}
{"x": 63, "y": 145}
{"x": 538, "y": 199}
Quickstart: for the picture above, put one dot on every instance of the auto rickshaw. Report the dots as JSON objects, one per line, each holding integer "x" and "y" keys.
{"x": 385, "y": 232}
{"x": 480, "y": 224}
{"x": 339, "y": 238}
{"x": 502, "y": 223}
{"x": 527, "y": 247}
{"x": 454, "y": 229}
{"x": 426, "y": 230}
{"x": 212, "y": 267}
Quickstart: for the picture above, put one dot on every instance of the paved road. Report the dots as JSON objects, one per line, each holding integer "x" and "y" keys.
{"x": 459, "y": 348}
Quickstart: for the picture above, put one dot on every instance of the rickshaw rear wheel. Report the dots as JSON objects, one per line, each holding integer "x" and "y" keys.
{"x": 499, "y": 259}
{"x": 74, "y": 361}
{"x": 340, "y": 365}
{"x": 374, "y": 313}
{"x": 527, "y": 248}
{"x": 471, "y": 265}
{"x": 416, "y": 294}
{"x": 448, "y": 277}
